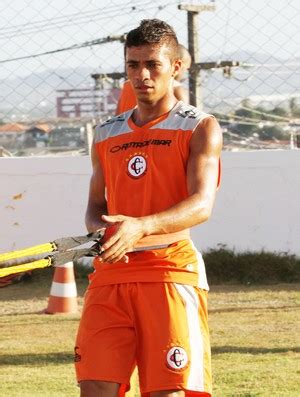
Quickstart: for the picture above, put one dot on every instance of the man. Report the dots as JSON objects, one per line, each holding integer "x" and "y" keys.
{"x": 180, "y": 91}
{"x": 127, "y": 99}
{"x": 155, "y": 173}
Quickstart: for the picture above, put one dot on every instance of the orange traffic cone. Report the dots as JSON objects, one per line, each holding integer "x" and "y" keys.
{"x": 63, "y": 293}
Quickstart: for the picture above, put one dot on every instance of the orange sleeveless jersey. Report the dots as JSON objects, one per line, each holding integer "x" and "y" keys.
{"x": 127, "y": 98}
{"x": 145, "y": 173}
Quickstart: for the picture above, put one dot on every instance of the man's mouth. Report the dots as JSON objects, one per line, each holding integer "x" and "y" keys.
{"x": 143, "y": 87}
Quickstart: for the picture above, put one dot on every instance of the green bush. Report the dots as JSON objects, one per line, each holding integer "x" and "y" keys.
{"x": 227, "y": 266}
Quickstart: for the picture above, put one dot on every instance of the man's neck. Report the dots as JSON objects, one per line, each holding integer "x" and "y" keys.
{"x": 146, "y": 112}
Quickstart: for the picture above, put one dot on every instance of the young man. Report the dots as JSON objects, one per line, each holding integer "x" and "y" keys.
{"x": 155, "y": 175}
{"x": 127, "y": 99}
{"x": 180, "y": 91}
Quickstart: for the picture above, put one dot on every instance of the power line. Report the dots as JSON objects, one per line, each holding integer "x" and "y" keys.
{"x": 107, "y": 39}
{"x": 82, "y": 18}
{"x": 88, "y": 43}
{"x": 70, "y": 18}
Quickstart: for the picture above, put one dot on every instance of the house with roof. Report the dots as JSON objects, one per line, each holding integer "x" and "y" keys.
{"x": 12, "y": 135}
{"x": 37, "y": 135}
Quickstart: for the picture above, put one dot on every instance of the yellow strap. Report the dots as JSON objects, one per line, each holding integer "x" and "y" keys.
{"x": 39, "y": 264}
{"x": 31, "y": 251}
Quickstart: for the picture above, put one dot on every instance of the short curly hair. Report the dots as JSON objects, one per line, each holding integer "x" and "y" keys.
{"x": 153, "y": 31}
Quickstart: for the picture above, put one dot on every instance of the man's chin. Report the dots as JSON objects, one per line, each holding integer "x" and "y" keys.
{"x": 147, "y": 100}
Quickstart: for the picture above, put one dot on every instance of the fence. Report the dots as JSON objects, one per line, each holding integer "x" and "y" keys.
{"x": 62, "y": 63}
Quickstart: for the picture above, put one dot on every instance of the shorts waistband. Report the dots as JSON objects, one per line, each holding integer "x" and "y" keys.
{"x": 152, "y": 247}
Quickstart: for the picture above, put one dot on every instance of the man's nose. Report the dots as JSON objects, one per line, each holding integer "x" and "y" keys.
{"x": 144, "y": 73}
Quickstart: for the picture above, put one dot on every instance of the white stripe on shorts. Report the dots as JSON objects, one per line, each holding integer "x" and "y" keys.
{"x": 196, "y": 376}
{"x": 202, "y": 279}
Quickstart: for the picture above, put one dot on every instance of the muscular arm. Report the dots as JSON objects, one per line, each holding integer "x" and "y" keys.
{"x": 202, "y": 175}
{"x": 96, "y": 202}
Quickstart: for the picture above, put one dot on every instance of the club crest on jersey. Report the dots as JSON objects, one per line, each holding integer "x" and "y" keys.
{"x": 137, "y": 165}
{"x": 177, "y": 358}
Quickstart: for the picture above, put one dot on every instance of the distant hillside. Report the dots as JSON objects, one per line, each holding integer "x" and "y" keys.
{"x": 35, "y": 94}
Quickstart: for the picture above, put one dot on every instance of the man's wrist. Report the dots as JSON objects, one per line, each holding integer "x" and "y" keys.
{"x": 93, "y": 226}
{"x": 148, "y": 225}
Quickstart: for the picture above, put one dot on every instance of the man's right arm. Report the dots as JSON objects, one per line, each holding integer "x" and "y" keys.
{"x": 97, "y": 205}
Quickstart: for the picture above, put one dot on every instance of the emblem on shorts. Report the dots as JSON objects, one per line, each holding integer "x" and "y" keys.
{"x": 177, "y": 357}
{"x": 77, "y": 356}
{"x": 137, "y": 165}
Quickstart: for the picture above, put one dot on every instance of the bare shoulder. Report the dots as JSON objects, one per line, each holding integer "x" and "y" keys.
{"x": 207, "y": 136}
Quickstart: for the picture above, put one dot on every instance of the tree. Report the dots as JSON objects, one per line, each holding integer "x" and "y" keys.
{"x": 294, "y": 107}
{"x": 267, "y": 133}
{"x": 280, "y": 111}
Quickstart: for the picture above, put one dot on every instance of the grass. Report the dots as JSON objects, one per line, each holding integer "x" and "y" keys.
{"x": 255, "y": 340}
{"x": 254, "y": 334}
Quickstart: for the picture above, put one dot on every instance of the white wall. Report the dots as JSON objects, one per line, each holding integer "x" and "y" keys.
{"x": 257, "y": 207}
{"x": 41, "y": 199}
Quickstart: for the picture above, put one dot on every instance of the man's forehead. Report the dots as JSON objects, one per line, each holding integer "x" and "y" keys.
{"x": 147, "y": 51}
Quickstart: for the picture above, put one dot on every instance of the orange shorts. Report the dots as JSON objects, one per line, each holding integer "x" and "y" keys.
{"x": 160, "y": 327}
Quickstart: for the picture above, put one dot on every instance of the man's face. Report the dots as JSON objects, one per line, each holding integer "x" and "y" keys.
{"x": 150, "y": 70}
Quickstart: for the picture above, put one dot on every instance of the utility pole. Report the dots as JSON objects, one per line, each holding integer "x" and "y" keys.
{"x": 99, "y": 79}
{"x": 194, "y": 76}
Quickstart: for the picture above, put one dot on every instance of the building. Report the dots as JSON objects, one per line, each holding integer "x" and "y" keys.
{"x": 12, "y": 135}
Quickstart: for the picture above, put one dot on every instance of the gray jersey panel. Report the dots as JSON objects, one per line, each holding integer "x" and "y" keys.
{"x": 115, "y": 126}
{"x": 182, "y": 117}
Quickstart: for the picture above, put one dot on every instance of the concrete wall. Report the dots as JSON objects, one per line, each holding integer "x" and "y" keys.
{"x": 257, "y": 207}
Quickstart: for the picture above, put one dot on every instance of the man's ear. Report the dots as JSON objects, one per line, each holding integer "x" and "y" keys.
{"x": 176, "y": 67}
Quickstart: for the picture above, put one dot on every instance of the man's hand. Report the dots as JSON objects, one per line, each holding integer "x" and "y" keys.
{"x": 123, "y": 232}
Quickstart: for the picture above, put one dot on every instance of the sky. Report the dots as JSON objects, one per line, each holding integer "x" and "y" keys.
{"x": 31, "y": 27}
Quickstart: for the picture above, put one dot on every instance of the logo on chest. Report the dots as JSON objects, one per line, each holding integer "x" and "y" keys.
{"x": 137, "y": 165}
